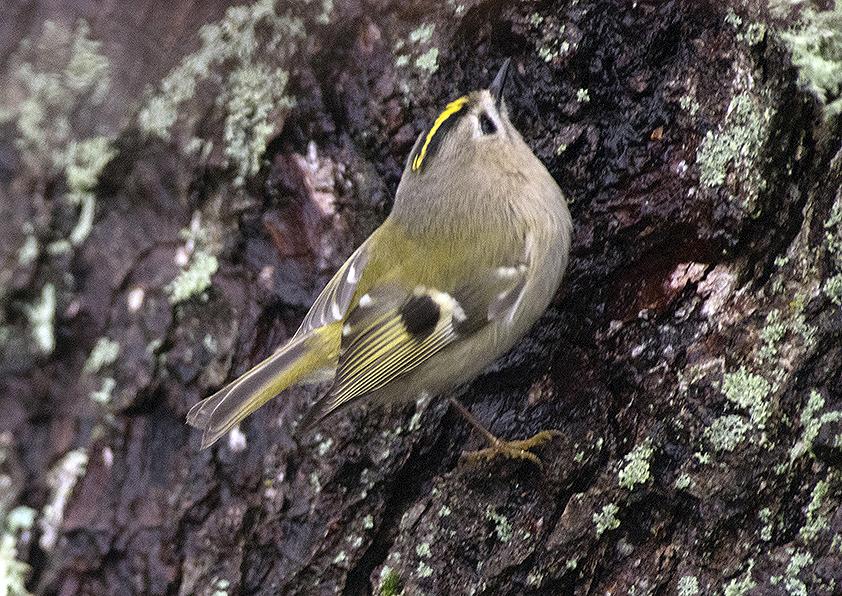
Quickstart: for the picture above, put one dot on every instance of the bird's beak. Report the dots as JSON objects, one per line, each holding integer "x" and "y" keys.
{"x": 499, "y": 83}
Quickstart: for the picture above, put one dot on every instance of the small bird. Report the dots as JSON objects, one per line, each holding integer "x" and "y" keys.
{"x": 471, "y": 255}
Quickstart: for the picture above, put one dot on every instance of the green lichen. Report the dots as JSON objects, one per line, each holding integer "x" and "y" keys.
{"x": 390, "y": 582}
{"x": 741, "y": 585}
{"x": 689, "y": 104}
{"x": 85, "y": 161}
{"x": 422, "y": 34}
{"x": 792, "y": 584}
{"x": 194, "y": 279}
{"x": 771, "y": 335}
{"x": 583, "y": 95}
{"x": 368, "y": 522}
{"x": 734, "y": 147}
{"x": 199, "y": 263}
{"x": 683, "y": 482}
{"x": 104, "y": 353}
{"x": 535, "y": 19}
{"x": 815, "y": 520}
{"x": 733, "y": 19}
{"x": 13, "y": 572}
{"x": 423, "y": 570}
{"x": 41, "y": 317}
{"x": 340, "y": 558}
{"x": 235, "y": 56}
{"x": 606, "y": 519}
{"x": 104, "y": 393}
{"x": 444, "y": 511}
{"x": 750, "y": 392}
{"x": 534, "y": 578}
{"x": 832, "y": 287}
{"x": 61, "y": 480}
{"x": 551, "y": 44}
{"x": 61, "y": 69}
{"x": 816, "y": 46}
{"x": 502, "y": 526}
{"x": 636, "y": 468}
{"x": 767, "y": 524}
{"x": 812, "y": 423}
{"x": 428, "y": 61}
{"x": 254, "y": 93}
{"x": 220, "y": 587}
{"x": 726, "y": 432}
{"x": 753, "y": 34}
{"x": 688, "y": 586}
{"x": 65, "y": 72}
{"x": 423, "y": 549}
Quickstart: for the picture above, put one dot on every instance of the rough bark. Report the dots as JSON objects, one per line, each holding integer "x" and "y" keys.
{"x": 692, "y": 360}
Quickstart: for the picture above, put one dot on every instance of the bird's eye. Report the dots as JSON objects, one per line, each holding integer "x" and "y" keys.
{"x": 486, "y": 124}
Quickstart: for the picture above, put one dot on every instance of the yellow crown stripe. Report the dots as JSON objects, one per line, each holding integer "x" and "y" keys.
{"x": 451, "y": 108}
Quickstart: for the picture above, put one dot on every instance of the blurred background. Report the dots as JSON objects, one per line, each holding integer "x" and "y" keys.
{"x": 179, "y": 180}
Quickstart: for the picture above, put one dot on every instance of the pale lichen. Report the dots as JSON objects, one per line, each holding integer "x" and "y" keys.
{"x": 61, "y": 480}
{"x": 767, "y": 524}
{"x": 197, "y": 261}
{"x": 741, "y": 585}
{"x": 816, "y": 46}
{"x": 13, "y": 572}
{"x": 62, "y": 71}
{"x": 832, "y": 287}
{"x": 636, "y": 468}
{"x": 194, "y": 279}
{"x": 727, "y": 432}
{"x": 791, "y": 582}
{"x": 502, "y": 526}
{"x": 772, "y": 333}
{"x": 245, "y": 55}
{"x": 735, "y": 147}
{"x": 606, "y": 519}
{"x": 41, "y": 317}
{"x": 104, "y": 353}
{"x": 815, "y": 520}
{"x": 812, "y": 422}
{"x": 428, "y": 61}
{"x": 749, "y": 391}
{"x": 104, "y": 393}
{"x": 688, "y": 586}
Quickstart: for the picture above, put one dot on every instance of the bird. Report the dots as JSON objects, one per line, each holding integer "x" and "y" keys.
{"x": 472, "y": 253}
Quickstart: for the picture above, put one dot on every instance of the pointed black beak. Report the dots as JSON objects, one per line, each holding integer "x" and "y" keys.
{"x": 499, "y": 83}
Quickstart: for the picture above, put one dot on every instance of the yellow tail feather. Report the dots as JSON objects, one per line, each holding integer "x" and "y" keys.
{"x": 299, "y": 361}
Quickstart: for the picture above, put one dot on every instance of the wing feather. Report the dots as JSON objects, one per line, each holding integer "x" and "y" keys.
{"x": 334, "y": 300}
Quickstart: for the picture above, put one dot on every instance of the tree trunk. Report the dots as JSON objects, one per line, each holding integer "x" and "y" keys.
{"x": 178, "y": 181}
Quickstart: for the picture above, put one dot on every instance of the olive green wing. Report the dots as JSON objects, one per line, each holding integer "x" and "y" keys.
{"x": 391, "y": 332}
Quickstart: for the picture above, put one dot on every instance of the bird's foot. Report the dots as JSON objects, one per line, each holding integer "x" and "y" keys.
{"x": 513, "y": 449}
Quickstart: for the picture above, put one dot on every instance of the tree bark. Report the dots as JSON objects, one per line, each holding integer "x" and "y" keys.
{"x": 692, "y": 359}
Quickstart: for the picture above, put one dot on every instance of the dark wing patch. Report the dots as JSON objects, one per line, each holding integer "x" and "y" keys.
{"x": 419, "y": 315}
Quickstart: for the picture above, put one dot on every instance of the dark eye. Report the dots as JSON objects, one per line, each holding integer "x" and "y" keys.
{"x": 486, "y": 124}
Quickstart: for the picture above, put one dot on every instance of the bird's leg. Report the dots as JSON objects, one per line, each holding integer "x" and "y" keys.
{"x": 497, "y": 446}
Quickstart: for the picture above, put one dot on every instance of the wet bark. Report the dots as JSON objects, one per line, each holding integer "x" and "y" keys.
{"x": 692, "y": 359}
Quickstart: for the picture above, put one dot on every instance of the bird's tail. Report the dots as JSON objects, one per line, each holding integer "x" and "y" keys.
{"x": 302, "y": 359}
